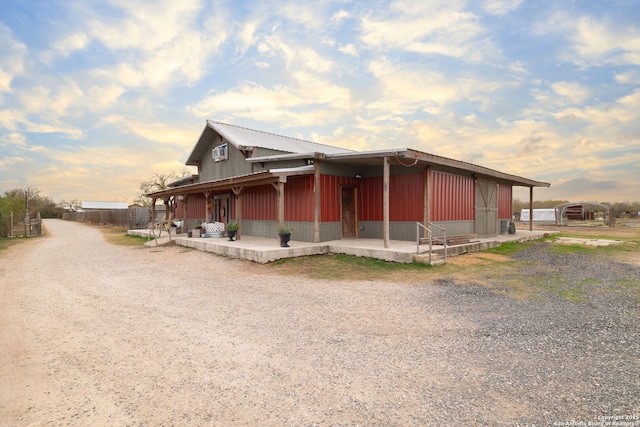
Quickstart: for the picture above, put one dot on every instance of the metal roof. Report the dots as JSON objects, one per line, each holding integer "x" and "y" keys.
{"x": 408, "y": 157}
{"x": 295, "y": 149}
{"x": 247, "y": 139}
{"x": 104, "y": 205}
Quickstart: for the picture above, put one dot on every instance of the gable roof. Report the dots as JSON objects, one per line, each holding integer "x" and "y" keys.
{"x": 295, "y": 149}
{"x": 247, "y": 139}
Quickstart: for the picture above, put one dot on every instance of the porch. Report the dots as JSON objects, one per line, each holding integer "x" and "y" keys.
{"x": 264, "y": 250}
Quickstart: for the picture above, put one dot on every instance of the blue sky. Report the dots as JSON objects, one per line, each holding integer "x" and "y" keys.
{"x": 95, "y": 96}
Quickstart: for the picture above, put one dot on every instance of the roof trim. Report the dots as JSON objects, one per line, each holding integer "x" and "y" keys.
{"x": 257, "y": 178}
{"x": 289, "y": 156}
{"x": 424, "y": 159}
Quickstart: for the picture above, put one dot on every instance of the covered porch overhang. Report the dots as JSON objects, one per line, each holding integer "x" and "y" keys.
{"x": 408, "y": 157}
{"x": 277, "y": 178}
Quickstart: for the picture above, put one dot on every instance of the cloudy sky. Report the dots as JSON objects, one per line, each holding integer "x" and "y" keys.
{"x": 95, "y": 96}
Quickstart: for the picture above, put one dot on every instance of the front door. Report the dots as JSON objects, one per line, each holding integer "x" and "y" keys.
{"x": 348, "y": 207}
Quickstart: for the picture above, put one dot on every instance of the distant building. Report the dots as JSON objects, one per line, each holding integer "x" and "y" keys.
{"x": 96, "y": 206}
{"x": 539, "y": 215}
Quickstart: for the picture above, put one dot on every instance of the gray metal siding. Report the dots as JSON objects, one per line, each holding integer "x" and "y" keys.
{"x": 330, "y": 231}
{"x": 407, "y": 230}
{"x": 302, "y": 231}
{"x": 235, "y": 165}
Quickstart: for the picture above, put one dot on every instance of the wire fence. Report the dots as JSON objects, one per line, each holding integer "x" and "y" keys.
{"x": 17, "y": 226}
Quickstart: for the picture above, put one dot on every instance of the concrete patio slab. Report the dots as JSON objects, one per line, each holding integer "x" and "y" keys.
{"x": 264, "y": 250}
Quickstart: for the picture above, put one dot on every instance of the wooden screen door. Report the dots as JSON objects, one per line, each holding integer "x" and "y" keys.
{"x": 348, "y": 207}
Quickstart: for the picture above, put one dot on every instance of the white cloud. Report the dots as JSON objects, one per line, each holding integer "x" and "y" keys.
{"x": 154, "y": 45}
{"x": 595, "y": 41}
{"x": 572, "y": 92}
{"x": 349, "y": 49}
{"x": 13, "y": 138}
{"x": 176, "y": 136}
{"x": 405, "y": 90}
{"x": 429, "y": 28}
{"x": 278, "y": 104}
{"x": 628, "y": 77}
{"x": 6, "y": 162}
{"x": 12, "y": 57}
{"x": 66, "y": 46}
{"x": 500, "y": 7}
{"x": 340, "y": 16}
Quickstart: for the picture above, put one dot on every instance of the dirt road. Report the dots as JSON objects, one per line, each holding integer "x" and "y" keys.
{"x": 97, "y": 334}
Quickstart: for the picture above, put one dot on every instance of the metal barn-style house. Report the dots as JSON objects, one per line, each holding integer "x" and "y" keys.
{"x": 328, "y": 193}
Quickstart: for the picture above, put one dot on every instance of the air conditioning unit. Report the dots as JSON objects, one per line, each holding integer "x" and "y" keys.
{"x": 221, "y": 152}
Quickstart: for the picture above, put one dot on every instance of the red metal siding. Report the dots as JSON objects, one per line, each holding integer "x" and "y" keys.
{"x": 406, "y": 198}
{"x": 260, "y": 203}
{"x": 371, "y": 197}
{"x": 299, "y": 199}
{"x": 196, "y": 207}
{"x": 452, "y": 197}
{"x": 331, "y": 196}
{"x": 504, "y": 201}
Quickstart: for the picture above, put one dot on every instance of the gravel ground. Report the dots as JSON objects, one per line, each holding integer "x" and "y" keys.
{"x": 96, "y": 334}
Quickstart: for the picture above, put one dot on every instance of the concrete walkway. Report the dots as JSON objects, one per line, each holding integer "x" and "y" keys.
{"x": 263, "y": 250}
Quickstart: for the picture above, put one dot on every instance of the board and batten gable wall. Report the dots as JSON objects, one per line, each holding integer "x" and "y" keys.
{"x": 234, "y": 165}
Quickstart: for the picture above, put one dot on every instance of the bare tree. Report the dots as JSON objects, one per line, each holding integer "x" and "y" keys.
{"x": 159, "y": 181}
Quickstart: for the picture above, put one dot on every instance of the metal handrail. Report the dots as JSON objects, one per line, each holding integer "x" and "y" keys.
{"x": 428, "y": 230}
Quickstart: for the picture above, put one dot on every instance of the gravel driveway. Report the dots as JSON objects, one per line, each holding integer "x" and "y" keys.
{"x": 96, "y": 334}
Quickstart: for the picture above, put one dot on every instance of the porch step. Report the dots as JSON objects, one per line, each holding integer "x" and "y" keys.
{"x": 459, "y": 239}
{"x": 435, "y": 259}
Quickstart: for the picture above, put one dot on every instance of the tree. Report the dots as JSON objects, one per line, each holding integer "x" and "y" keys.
{"x": 20, "y": 201}
{"x": 158, "y": 182}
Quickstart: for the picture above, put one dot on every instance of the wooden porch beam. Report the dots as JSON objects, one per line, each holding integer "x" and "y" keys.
{"x": 236, "y": 192}
{"x": 206, "y": 202}
{"x": 316, "y": 201}
{"x": 530, "y": 208}
{"x": 385, "y": 201}
{"x": 427, "y": 196}
{"x": 280, "y": 203}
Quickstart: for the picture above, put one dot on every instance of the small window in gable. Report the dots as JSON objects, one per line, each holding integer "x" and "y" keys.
{"x": 221, "y": 152}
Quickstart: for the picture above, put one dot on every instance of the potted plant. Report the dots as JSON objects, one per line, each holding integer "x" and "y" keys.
{"x": 232, "y": 228}
{"x": 197, "y": 228}
{"x": 284, "y": 231}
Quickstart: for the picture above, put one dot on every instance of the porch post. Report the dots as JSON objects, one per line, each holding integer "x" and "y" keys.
{"x": 167, "y": 208}
{"x": 427, "y": 197}
{"x": 185, "y": 214}
{"x": 206, "y": 202}
{"x": 385, "y": 201}
{"x": 530, "y": 208}
{"x": 316, "y": 201}
{"x": 153, "y": 210}
{"x": 280, "y": 203}
{"x": 236, "y": 192}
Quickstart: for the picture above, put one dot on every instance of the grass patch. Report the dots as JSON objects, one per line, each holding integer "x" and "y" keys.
{"x": 574, "y": 248}
{"x": 508, "y": 249}
{"x": 118, "y": 236}
{"x": 6, "y": 243}
{"x": 346, "y": 267}
{"x": 554, "y": 284}
{"x": 632, "y": 286}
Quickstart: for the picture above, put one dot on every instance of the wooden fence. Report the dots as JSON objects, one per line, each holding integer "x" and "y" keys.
{"x": 132, "y": 218}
